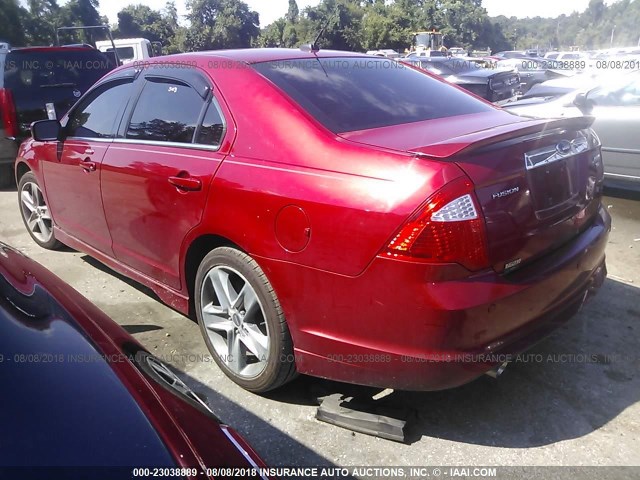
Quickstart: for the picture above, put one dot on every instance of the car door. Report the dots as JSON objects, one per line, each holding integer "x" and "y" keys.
{"x": 72, "y": 176}
{"x": 156, "y": 177}
{"x": 617, "y": 123}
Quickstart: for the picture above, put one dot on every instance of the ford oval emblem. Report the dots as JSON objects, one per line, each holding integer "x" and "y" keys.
{"x": 564, "y": 147}
{"x": 77, "y": 93}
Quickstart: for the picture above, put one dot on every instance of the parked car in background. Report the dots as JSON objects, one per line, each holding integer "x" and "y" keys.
{"x": 313, "y": 207}
{"x": 389, "y": 53}
{"x": 566, "y": 56}
{"x": 84, "y": 393}
{"x": 532, "y": 52}
{"x": 457, "y": 52}
{"x": 561, "y": 85}
{"x": 38, "y": 83}
{"x": 509, "y": 54}
{"x": 427, "y": 54}
{"x": 499, "y": 86}
{"x": 532, "y": 71}
{"x": 615, "y": 104}
{"x": 131, "y": 49}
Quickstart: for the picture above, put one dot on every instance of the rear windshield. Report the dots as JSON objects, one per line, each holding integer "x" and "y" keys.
{"x": 350, "y": 94}
{"x": 42, "y": 69}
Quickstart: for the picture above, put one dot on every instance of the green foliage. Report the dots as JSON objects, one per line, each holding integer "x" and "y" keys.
{"x": 137, "y": 21}
{"x": 12, "y": 19}
{"x": 40, "y": 22}
{"x": 219, "y": 24}
{"x": 590, "y": 29}
{"x": 373, "y": 24}
{"x": 272, "y": 36}
{"x": 357, "y": 25}
{"x": 80, "y": 13}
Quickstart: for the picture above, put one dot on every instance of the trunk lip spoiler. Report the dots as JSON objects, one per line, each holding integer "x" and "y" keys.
{"x": 477, "y": 140}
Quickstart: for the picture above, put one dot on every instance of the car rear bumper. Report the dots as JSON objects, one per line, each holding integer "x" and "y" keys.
{"x": 395, "y": 327}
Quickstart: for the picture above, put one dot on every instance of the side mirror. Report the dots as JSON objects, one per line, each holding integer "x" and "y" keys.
{"x": 46, "y": 130}
{"x": 583, "y": 103}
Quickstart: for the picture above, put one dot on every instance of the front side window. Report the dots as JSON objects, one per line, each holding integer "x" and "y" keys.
{"x": 96, "y": 116}
{"x": 167, "y": 111}
{"x": 351, "y": 93}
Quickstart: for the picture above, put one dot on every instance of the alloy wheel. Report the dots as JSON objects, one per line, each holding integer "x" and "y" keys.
{"x": 36, "y": 212}
{"x": 235, "y": 321}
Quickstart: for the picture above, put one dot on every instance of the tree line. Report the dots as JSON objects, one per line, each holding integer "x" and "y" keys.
{"x": 356, "y": 25}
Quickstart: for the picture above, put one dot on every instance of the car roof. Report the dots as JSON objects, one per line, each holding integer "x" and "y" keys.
{"x": 258, "y": 55}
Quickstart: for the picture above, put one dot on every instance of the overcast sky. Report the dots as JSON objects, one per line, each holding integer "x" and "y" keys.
{"x": 272, "y": 9}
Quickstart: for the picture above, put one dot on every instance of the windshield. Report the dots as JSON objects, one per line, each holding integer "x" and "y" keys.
{"x": 350, "y": 94}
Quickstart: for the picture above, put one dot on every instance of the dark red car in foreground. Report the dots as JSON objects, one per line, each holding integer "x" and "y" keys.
{"x": 326, "y": 213}
{"x": 80, "y": 392}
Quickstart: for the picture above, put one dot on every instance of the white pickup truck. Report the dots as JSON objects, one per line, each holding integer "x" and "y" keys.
{"x": 130, "y": 49}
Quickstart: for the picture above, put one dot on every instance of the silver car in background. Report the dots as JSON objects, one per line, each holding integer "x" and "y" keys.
{"x": 615, "y": 104}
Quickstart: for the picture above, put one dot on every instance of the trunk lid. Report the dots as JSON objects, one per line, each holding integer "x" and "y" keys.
{"x": 537, "y": 181}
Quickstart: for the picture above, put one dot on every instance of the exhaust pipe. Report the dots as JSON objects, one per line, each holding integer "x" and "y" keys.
{"x": 495, "y": 372}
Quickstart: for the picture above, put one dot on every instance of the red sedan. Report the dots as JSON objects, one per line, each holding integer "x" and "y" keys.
{"x": 326, "y": 213}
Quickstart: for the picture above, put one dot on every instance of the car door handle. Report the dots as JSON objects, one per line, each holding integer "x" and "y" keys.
{"x": 190, "y": 184}
{"x": 89, "y": 151}
{"x": 88, "y": 166}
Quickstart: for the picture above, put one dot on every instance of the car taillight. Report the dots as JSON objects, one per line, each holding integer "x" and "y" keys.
{"x": 448, "y": 228}
{"x": 8, "y": 113}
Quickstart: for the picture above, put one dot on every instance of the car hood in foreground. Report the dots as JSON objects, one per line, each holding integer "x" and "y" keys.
{"x": 63, "y": 405}
{"x": 78, "y": 391}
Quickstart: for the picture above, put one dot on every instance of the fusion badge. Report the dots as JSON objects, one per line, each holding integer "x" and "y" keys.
{"x": 506, "y": 193}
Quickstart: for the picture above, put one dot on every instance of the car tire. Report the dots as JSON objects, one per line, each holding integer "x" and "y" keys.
{"x": 242, "y": 322}
{"x": 6, "y": 176}
{"x": 35, "y": 212}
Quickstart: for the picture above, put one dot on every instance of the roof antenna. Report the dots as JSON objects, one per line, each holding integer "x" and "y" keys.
{"x": 313, "y": 46}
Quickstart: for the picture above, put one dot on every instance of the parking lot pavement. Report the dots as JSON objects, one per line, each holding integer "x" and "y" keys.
{"x": 574, "y": 400}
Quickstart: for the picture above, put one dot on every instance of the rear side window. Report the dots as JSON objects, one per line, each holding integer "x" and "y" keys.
{"x": 96, "y": 115}
{"x": 212, "y": 128}
{"x": 36, "y": 71}
{"x": 350, "y": 94}
{"x": 167, "y": 111}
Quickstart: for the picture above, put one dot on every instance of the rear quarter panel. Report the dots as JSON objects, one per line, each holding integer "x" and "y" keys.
{"x": 352, "y": 197}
